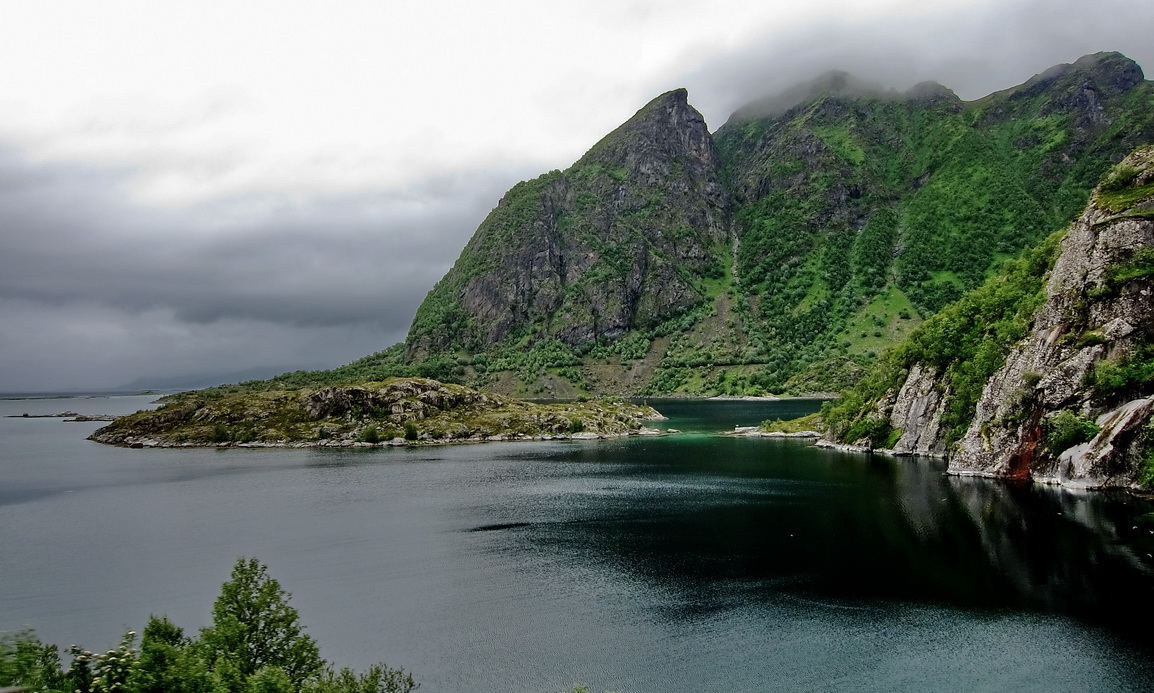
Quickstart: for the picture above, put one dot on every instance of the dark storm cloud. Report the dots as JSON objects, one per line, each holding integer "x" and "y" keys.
{"x": 96, "y": 290}
{"x": 972, "y": 51}
{"x": 69, "y": 236}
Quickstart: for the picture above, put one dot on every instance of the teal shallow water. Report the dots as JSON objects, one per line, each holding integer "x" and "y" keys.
{"x": 645, "y": 564}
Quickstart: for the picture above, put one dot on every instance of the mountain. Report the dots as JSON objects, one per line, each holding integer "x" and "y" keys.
{"x": 782, "y": 252}
{"x": 1046, "y": 372}
{"x": 635, "y": 233}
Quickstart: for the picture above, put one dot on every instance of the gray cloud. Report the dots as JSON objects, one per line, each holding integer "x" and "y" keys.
{"x": 973, "y": 51}
{"x": 96, "y": 290}
{"x": 351, "y": 267}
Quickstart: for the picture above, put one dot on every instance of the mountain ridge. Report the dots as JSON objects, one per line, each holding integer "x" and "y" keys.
{"x": 780, "y": 254}
{"x": 791, "y": 244}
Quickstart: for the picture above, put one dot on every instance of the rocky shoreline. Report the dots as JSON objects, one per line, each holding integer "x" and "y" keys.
{"x": 396, "y": 442}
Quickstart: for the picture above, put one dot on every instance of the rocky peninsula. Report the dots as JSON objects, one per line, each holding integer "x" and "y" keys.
{"x": 397, "y": 411}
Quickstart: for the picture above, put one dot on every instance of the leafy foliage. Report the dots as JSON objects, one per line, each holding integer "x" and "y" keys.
{"x": 1132, "y": 375}
{"x": 254, "y": 628}
{"x": 1067, "y": 429}
{"x": 255, "y": 645}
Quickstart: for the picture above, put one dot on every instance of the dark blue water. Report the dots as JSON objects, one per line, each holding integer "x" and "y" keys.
{"x": 690, "y": 562}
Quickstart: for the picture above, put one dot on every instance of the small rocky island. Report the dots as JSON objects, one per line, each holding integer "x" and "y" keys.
{"x": 397, "y": 411}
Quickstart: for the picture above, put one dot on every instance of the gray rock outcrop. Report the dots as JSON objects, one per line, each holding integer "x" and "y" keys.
{"x": 1090, "y": 315}
{"x": 917, "y": 412}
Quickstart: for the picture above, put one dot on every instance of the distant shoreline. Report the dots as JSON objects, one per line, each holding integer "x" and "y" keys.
{"x": 17, "y": 396}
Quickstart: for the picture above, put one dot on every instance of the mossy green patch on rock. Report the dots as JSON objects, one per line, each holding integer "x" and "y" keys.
{"x": 395, "y": 411}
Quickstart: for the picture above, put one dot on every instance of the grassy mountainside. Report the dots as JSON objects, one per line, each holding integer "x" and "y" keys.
{"x": 966, "y": 342}
{"x": 856, "y": 209}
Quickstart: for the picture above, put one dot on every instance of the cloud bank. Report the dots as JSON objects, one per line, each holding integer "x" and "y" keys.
{"x": 209, "y": 188}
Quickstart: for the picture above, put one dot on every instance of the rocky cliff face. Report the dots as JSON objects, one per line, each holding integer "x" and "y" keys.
{"x": 917, "y": 412}
{"x": 621, "y": 240}
{"x": 1072, "y": 403}
{"x": 1099, "y": 311}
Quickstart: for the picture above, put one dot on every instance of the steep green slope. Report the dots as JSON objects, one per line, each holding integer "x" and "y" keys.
{"x": 854, "y": 201}
{"x": 1047, "y": 370}
{"x": 965, "y": 343}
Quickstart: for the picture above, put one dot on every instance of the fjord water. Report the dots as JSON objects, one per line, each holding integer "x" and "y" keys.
{"x": 690, "y": 562}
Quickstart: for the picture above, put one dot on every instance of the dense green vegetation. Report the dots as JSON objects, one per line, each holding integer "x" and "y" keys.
{"x": 810, "y": 422}
{"x": 256, "y": 644}
{"x": 1127, "y": 377}
{"x": 842, "y": 198}
{"x": 1067, "y": 429}
{"x": 967, "y": 342}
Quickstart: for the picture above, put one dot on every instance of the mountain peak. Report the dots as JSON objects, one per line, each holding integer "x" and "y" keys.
{"x": 1108, "y": 72}
{"x": 667, "y": 124}
{"x": 930, "y": 91}
{"x": 835, "y": 83}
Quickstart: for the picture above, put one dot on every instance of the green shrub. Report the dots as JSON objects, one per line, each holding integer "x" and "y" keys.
{"x": 1119, "y": 178}
{"x": 1130, "y": 376}
{"x": 221, "y": 434}
{"x": 1090, "y": 338}
{"x": 370, "y": 435}
{"x": 1067, "y": 429}
{"x": 411, "y": 431}
{"x": 1146, "y": 473}
{"x": 877, "y": 430}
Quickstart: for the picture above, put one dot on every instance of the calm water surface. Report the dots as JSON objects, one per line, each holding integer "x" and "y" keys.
{"x": 690, "y": 562}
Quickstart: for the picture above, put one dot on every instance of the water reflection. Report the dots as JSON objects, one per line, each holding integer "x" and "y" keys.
{"x": 774, "y": 520}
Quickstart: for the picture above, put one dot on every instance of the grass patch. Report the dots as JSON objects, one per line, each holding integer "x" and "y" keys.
{"x": 809, "y": 422}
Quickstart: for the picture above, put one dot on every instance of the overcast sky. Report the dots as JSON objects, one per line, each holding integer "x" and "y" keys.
{"x": 207, "y": 187}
